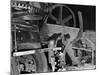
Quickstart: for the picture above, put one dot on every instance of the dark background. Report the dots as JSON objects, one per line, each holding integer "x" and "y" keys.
{"x": 89, "y": 15}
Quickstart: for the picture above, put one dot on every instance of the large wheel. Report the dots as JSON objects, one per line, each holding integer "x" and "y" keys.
{"x": 35, "y": 63}
{"x": 62, "y": 15}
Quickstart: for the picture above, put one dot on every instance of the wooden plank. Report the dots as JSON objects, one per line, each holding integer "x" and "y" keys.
{"x": 24, "y": 53}
{"x": 82, "y": 49}
{"x": 34, "y": 51}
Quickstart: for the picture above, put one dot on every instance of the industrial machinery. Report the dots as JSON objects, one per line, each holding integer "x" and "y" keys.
{"x": 35, "y": 34}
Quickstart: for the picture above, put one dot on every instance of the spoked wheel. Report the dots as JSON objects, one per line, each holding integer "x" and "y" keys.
{"x": 62, "y": 15}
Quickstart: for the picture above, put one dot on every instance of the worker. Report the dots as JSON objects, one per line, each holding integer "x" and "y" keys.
{"x": 51, "y": 45}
